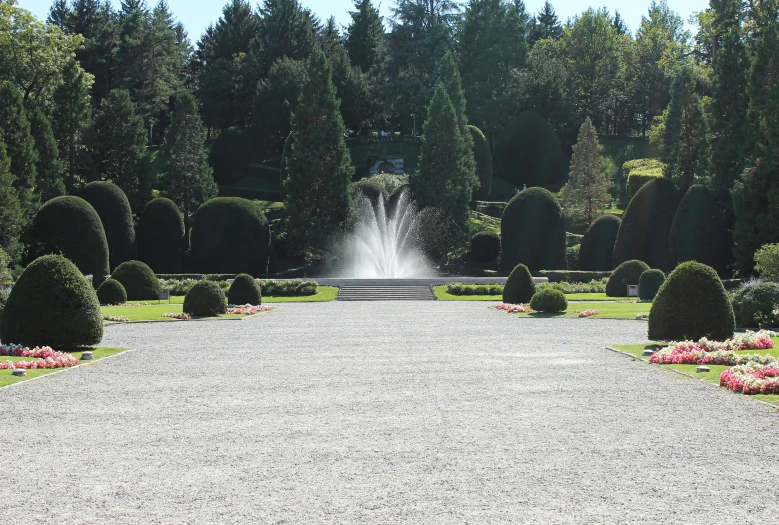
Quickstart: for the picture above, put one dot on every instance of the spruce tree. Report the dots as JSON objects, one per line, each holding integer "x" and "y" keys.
{"x": 364, "y": 36}
{"x": 587, "y": 189}
{"x": 318, "y": 166}
{"x": 49, "y": 166}
{"x": 11, "y": 218}
{"x": 548, "y": 25}
{"x": 20, "y": 147}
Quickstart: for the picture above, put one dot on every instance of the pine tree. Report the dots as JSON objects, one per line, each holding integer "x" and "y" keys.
{"x": 587, "y": 189}
{"x": 285, "y": 29}
{"x": 60, "y": 14}
{"x": 49, "y": 183}
{"x": 20, "y": 147}
{"x": 11, "y": 218}
{"x": 318, "y": 166}
{"x": 365, "y": 36}
{"x": 274, "y": 103}
{"x": 548, "y": 25}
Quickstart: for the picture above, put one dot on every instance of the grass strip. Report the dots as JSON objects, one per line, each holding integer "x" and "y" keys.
{"x": 7, "y": 379}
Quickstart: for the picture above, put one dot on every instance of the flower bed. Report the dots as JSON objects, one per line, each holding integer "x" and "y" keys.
{"x": 45, "y": 358}
{"x": 115, "y": 318}
{"x": 751, "y": 379}
{"x": 180, "y": 315}
{"x": 247, "y": 309}
{"x": 589, "y": 313}
{"x": 514, "y": 308}
{"x": 642, "y": 316}
{"x": 706, "y": 352}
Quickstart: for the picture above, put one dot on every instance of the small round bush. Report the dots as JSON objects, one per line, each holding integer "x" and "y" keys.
{"x": 483, "y": 157}
{"x": 230, "y": 155}
{"x": 485, "y": 247}
{"x": 111, "y": 204}
{"x": 519, "y": 287}
{"x": 161, "y": 242}
{"x": 597, "y": 248}
{"x": 244, "y": 290}
{"x": 549, "y": 300}
{"x": 691, "y": 303}
{"x": 205, "y": 299}
{"x": 627, "y": 273}
{"x": 111, "y": 292}
{"x": 649, "y": 284}
{"x": 752, "y": 303}
{"x": 52, "y": 304}
{"x": 532, "y": 231}
{"x": 138, "y": 280}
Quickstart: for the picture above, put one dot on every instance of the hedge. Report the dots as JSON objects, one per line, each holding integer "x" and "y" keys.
{"x": 528, "y": 151}
{"x": 519, "y": 287}
{"x": 161, "y": 241}
{"x": 138, "y": 280}
{"x": 484, "y": 247}
{"x": 641, "y": 171}
{"x": 753, "y": 303}
{"x": 649, "y": 284}
{"x": 244, "y": 290}
{"x": 532, "y": 231}
{"x": 230, "y": 154}
{"x": 597, "y": 247}
{"x": 483, "y": 157}
{"x": 111, "y": 292}
{"x": 559, "y": 276}
{"x": 627, "y": 273}
{"x": 113, "y": 208}
{"x": 205, "y": 299}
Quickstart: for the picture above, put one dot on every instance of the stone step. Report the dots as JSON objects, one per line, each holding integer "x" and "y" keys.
{"x": 386, "y": 293}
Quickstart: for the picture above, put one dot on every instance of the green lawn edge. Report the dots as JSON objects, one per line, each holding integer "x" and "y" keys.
{"x": 443, "y": 295}
{"x": 6, "y": 379}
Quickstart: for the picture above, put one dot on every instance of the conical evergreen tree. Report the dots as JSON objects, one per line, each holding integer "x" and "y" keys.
{"x": 49, "y": 166}
{"x": 20, "y": 147}
{"x": 587, "y": 189}
{"x": 365, "y": 35}
{"x": 11, "y": 219}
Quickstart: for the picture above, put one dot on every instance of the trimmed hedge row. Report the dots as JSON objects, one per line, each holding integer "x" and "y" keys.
{"x": 474, "y": 289}
{"x": 559, "y": 276}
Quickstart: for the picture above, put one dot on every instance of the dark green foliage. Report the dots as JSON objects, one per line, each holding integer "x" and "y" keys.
{"x": 244, "y": 290}
{"x": 641, "y": 171}
{"x": 111, "y": 292}
{"x": 275, "y": 101}
{"x": 293, "y": 288}
{"x": 597, "y": 248}
{"x": 49, "y": 183}
{"x": 230, "y": 234}
{"x": 691, "y": 304}
{"x": 283, "y": 170}
{"x": 11, "y": 219}
{"x": 567, "y": 276}
{"x": 52, "y": 304}
{"x": 485, "y": 247}
{"x": 205, "y": 299}
{"x": 528, "y": 151}
{"x": 699, "y": 231}
{"x": 71, "y": 121}
{"x": 756, "y": 209}
{"x": 751, "y": 304}
{"x": 483, "y": 157}
{"x": 364, "y": 36}
{"x": 111, "y": 204}
{"x": 161, "y": 241}
{"x": 474, "y": 289}
{"x": 646, "y": 225}
{"x": 627, "y": 273}
{"x": 370, "y": 189}
{"x": 71, "y": 226}
{"x": 138, "y": 280}
{"x": 20, "y": 146}
{"x": 572, "y": 257}
{"x": 532, "y": 231}
{"x": 230, "y": 155}
{"x": 549, "y": 301}
{"x": 649, "y": 284}
{"x": 519, "y": 287}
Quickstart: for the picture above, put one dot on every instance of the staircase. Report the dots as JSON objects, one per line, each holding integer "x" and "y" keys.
{"x": 386, "y": 293}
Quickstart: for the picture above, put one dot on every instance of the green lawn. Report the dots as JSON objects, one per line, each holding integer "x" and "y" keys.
{"x": 7, "y": 379}
{"x": 441, "y": 293}
{"x": 595, "y": 297}
{"x": 607, "y": 310}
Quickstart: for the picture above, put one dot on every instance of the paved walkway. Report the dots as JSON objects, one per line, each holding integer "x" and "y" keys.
{"x": 383, "y": 413}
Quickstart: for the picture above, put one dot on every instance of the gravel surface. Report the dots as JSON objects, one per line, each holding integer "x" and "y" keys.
{"x": 383, "y": 413}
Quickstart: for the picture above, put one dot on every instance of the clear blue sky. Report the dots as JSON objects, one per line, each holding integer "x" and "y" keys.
{"x": 197, "y": 14}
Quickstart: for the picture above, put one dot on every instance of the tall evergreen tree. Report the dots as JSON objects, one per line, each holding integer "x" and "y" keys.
{"x": 587, "y": 191}
{"x": 11, "y": 218}
{"x": 59, "y": 14}
{"x": 15, "y": 133}
{"x": 276, "y": 99}
{"x": 285, "y": 29}
{"x": 365, "y": 36}
{"x": 97, "y": 22}
{"x": 49, "y": 183}
{"x": 548, "y": 25}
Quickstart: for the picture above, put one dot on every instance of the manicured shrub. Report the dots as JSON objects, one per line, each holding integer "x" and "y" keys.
{"x": 649, "y": 284}
{"x": 113, "y": 208}
{"x": 598, "y": 244}
{"x": 646, "y": 225}
{"x": 230, "y": 155}
{"x": 751, "y": 304}
{"x": 230, "y": 234}
{"x": 111, "y": 292}
{"x": 371, "y": 190}
{"x": 205, "y": 299}
{"x": 485, "y": 247}
{"x": 52, "y": 304}
{"x": 292, "y": 288}
{"x": 138, "y": 280}
{"x": 519, "y": 287}
{"x": 627, "y": 273}
{"x": 767, "y": 262}
{"x": 528, "y": 151}
{"x": 571, "y": 276}
{"x": 70, "y": 226}
{"x": 691, "y": 304}
{"x": 532, "y": 231}
{"x": 549, "y": 300}
{"x": 161, "y": 242}
{"x": 641, "y": 171}
{"x": 244, "y": 290}
{"x": 483, "y": 157}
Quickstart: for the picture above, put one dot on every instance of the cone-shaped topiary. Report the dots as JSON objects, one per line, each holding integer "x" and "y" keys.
{"x": 519, "y": 287}
{"x": 532, "y": 231}
{"x": 627, "y": 273}
{"x": 138, "y": 280}
{"x": 528, "y": 151}
{"x": 111, "y": 204}
{"x": 549, "y": 301}
{"x": 161, "y": 242}
{"x": 71, "y": 226}
{"x": 52, "y": 304}
{"x": 692, "y": 303}
{"x": 244, "y": 290}
{"x": 230, "y": 155}
{"x": 371, "y": 190}
{"x": 485, "y": 247}
{"x": 483, "y": 157}
{"x": 205, "y": 299}
{"x": 753, "y": 303}
{"x": 649, "y": 284}
{"x": 597, "y": 247}
{"x": 111, "y": 292}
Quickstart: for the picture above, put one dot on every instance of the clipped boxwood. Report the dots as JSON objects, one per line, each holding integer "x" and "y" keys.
{"x": 752, "y": 303}
{"x": 485, "y": 247}
{"x": 627, "y": 273}
{"x": 161, "y": 242}
{"x": 483, "y": 157}
{"x": 113, "y": 208}
{"x": 692, "y": 303}
{"x": 205, "y": 299}
{"x": 532, "y": 231}
{"x": 230, "y": 155}
{"x": 138, "y": 280}
{"x": 549, "y": 301}
{"x": 519, "y": 287}
{"x": 111, "y": 292}
{"x": 244, "y": 290}
{"x": 528, "y": 151}
{"x": 597, "y": 247}
{"x": 649, "y": 284}
{"x": 52, "y": 304}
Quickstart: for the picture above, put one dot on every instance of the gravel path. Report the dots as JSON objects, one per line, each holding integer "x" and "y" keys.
{"x": 383, "y": 413}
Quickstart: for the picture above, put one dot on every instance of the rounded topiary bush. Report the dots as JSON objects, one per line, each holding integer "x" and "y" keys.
{"x": 484, "y": 247}
{"x": 52, "y": 304}
{"x": 205, "y": 299}
{"x": 161, "y": 242}
{"x": 549, "y": 300}
{"x": 753, "y": 303}
{"x": 483, "y": 157}
{"x": 138, "y": 280}
{"x": 692, "y": 303}
{"x": 597, "y": 250}
{"x": 230, "y": 235}
{"x": 371, "y": 190}
{"x": 519, "y": 287}
{"x": 627, "y": 273}
{"x": 70, "y": 226}
{"x": 649, "y": 284}
{"x": 111, "y": 292}
{"x": 528, "y": 151}
{"x": 244, "y": 290}
{"x": 532, "y": 231}
{"x": 230, "y": 155}
{"x": 113, "y": 208}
